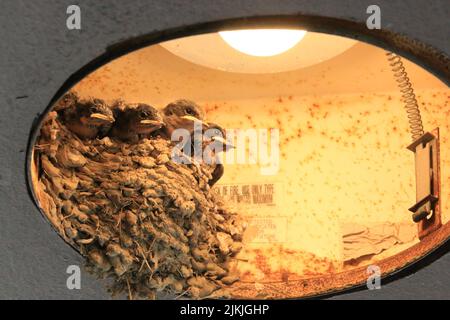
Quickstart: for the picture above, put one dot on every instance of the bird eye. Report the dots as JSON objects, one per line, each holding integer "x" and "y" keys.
{"x": 143, "y": 114}
{"x": 190, "y": 111}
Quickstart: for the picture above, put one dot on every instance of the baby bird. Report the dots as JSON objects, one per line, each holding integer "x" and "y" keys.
{"x": 215, "y": 141}
{"x": 135, "y": 121}
{"x": 67, "y": 100}
{"x": 182, "y": 114}
{"x": 88, "y": 119}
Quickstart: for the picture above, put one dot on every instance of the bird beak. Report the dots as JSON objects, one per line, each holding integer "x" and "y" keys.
{"x": 152, "y": 123}
{"x": 194, "y": 119}
{"x": 102, "y": 118}
{"x": 223, "y": 141}
{"x": 148, "y": 126}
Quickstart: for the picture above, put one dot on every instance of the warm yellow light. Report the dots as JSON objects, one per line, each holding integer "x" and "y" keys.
{"x": 263, "y": 42}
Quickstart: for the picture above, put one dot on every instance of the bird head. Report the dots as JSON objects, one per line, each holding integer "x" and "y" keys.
{"x": 183, "y": 114}
{"x": 217, "y": 134}
{"x": 184, "y": 109}
{"x": 133, "y": 120}
{"x": 88, "y": 118}
{"x": 66, "y": 101}
{"x": 142, "y": 118}
{"x": 95, "y": 113}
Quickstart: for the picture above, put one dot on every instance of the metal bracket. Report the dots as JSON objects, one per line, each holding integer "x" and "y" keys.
{"x": 426, "y": 212}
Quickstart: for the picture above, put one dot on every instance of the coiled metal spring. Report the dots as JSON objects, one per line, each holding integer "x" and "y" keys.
{"x": 408, "y": 96}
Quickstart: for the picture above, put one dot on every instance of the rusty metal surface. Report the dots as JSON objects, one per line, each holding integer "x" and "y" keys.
{"x": 427, "y": 226}
{"x": 427, "y": 210}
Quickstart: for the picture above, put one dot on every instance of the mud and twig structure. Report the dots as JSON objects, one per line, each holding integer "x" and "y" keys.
{"x": 151, "y": 224}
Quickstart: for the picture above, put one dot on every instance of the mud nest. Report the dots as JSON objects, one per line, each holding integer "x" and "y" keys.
{"x": 147, "y": 222}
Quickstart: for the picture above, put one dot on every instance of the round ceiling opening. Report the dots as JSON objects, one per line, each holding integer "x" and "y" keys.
{"x": 212, "y": 166}
{"x": 259, "y": 51}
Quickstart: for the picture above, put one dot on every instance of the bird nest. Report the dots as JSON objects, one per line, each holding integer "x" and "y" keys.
{"x": 138, "y": 217}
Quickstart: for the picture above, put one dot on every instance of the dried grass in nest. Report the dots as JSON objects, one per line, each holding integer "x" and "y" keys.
{"x": 149, "y": 223}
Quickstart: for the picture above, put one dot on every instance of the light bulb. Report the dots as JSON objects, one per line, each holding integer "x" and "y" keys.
{"x": 262, "y": 42}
